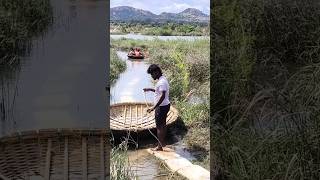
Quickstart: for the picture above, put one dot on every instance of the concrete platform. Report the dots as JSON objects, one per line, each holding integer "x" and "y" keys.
{"x": 181, "y": 165}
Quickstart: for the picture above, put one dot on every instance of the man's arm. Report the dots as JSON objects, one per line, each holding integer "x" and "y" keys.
{"x": 159, "y": 102}
{"x": 149, "y": 89}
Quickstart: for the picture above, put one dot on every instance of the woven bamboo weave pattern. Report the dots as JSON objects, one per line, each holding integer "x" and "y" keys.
{"x": 134, "y": 117}
{"x": 55, "y": 155}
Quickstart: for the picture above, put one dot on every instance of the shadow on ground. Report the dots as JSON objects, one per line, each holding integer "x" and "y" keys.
{"x": 146, "y": 139}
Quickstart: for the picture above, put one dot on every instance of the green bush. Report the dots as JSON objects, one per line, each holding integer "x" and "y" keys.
{"x": 265, "y": 78}
{"x": 19, "y": 22}
{"x": 116, "y": 66}
{"x": 167, "y": 29}
{"x": 120, "y": 168}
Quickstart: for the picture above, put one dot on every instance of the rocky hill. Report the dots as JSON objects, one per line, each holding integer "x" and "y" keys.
{"x": 127, "y": 13}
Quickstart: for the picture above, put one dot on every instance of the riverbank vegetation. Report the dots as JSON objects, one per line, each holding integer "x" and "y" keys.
{"x": 120, "y": 167}
{"x": 186, "y": 65}
{"x": 19, "y": 22}
{"x": 265, "y": 94}
{"x": 168, "y": 29}
{"x": 117, "y": 66}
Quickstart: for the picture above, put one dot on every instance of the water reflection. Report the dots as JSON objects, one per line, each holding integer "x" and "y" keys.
{"x": 129, "y": 85}
{"x": 148, "y": 37}
{"x": 8, "y": 93}
{"x": 62, "y": 82}
{"x": 146, "y": 166}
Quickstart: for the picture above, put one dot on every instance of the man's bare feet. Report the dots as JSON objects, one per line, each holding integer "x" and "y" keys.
{"x": 158, "y": 148}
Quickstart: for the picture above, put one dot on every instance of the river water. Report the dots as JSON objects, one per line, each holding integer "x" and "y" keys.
{"x": 129, "y": 85}
{"x": 147, "y": 37}
{"x": 61, "y": 83}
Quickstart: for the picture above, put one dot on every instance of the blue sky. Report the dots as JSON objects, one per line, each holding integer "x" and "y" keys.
{"x": 159, "y": 6}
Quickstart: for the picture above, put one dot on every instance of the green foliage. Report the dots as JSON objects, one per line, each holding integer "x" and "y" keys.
{"x": 286, "y": 30}
{"x": 125, "y": 44}
{"x": 19, "y": 22}
{"x": 168, "y": 29}
{"x": 179, "y": 59}
{"x": 187, "y": 28}
{"x": 194, "y": 114}
{"x": 266, "y": 89}
{"x": 186, "y": 65}
{"x": 180, "y": 72}
{"x": 120, "y": 168}
{"x": 233, "y": 53}
{"x": 116, "y": 66}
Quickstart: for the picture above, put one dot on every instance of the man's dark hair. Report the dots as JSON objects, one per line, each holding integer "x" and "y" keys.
{"x": 153, "y": 68}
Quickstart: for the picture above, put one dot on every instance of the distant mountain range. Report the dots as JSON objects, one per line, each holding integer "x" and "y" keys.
{"x": 127, "y": 14}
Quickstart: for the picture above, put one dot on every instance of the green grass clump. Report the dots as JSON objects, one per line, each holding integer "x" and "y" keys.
{"x": 167, "y": 29}
{"x": 120, "y": 168}
{"x": 265, "y": 120}
{"x": 116, "y": 66}
{"x": 19, "y": 22}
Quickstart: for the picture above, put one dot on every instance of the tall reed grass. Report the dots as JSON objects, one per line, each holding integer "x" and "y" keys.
{"x": 116, "y": 66}
{"x": 120, "y": 168}
{"x": 265, "y": 119}
{"x": 19, "y": 22}
{"x": 167, "y": 29}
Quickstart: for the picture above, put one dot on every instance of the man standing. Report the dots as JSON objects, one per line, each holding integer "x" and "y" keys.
{"x": 162, "y": 103}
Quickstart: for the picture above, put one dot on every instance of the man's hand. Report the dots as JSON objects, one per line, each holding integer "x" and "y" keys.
{"x": 148, "y": 89}
{"x": 150, "y": 110}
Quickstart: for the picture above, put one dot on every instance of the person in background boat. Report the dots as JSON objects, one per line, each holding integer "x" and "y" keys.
{"x": 131, "y": 52}
{"x": 162, "y": 103}
{"x": 140, "y": 52}
{"x": 137, "y": 52}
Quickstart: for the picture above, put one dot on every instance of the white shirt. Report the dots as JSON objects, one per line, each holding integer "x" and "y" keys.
{"x": 162, "y": 85}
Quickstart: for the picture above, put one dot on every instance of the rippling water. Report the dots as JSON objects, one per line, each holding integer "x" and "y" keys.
{"x": 128, "y": 87}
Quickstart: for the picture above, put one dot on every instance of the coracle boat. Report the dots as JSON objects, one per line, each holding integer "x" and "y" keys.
{"x": 136, "y": 57}
{"x": 134, "y": 117}
{"x": 55, "y": 154}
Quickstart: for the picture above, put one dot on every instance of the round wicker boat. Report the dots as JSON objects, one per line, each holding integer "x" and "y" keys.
{"x": 136, "y": 57}
{"x": 55, "y": 154}
{"x": 134, "y": 117}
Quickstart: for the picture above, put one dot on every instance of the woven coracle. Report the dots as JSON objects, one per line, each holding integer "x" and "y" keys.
{"x": 53, "y": 154}
{"x": 134, "y": 117}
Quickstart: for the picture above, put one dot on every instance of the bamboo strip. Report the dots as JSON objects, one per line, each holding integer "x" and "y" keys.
{"x": 48, "y": 161}
{"x": 84, "y": 159}
{"x": 102, "y": 163}
{"x": 66, "y": 159}
{"x": 3, "y": 177}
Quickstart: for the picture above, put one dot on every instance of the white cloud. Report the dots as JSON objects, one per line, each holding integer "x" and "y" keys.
{"x": 175, "y": 7}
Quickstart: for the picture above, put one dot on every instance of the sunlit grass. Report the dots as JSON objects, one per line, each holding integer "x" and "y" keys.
{"x": 120, "y": 168}
{"x": 117, "y": 66}
{"x": 169, "y": 29}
